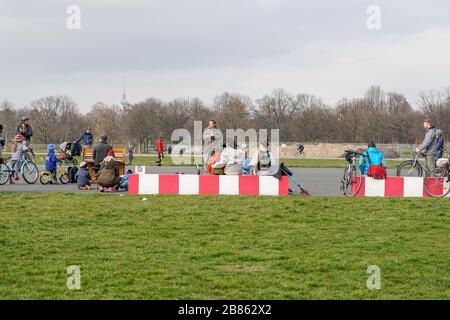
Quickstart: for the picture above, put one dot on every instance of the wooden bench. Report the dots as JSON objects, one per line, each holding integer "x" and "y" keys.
{"x": 119, "y": 156}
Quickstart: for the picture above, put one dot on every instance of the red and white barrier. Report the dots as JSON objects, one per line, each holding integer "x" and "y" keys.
{"x": 188, "y": 184}
{"x": 396, "y": 187}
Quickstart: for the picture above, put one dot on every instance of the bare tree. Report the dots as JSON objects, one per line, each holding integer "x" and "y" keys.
{"x": 233, "y": 110}
{"x": 277, "y": 111}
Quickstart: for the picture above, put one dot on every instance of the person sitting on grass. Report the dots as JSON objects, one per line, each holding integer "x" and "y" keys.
{"x": 108, "y": 176}
{"x": 50, "y": 162}
{"x": 83, "y": 177}
{"x": 372, "y": 156}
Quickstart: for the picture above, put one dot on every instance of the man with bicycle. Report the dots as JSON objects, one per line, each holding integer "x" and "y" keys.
{"x": 426, "y": 148}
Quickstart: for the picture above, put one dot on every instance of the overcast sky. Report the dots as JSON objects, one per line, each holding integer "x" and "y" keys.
{"x": 201, "y": 48}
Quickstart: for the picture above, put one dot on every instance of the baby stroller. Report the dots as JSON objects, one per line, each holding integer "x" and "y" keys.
{"x": 67, "y": 153}
{"x": 285, "y": 171}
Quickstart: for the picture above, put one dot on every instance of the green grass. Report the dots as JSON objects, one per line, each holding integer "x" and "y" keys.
{"x": 196, "y": 247}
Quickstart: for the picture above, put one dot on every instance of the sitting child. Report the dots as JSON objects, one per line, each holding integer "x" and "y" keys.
{"x": 246, "y": 168}
{"x": 83, "y": 177}
{"x": 124, "y": 184}
{"x": 215, "y": 157}
{"x": 50, "y": 162}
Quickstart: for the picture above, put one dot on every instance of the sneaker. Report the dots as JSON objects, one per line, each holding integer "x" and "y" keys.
{"x": 112, "y": 189}
{"x": 101, "y": 189}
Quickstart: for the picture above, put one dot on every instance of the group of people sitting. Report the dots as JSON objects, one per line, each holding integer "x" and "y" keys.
{"x": 105, "y": 166}
{"x": 231, "y": 160}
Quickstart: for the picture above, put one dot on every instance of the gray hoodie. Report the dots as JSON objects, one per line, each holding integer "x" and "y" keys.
{"x": 428, "y": 143}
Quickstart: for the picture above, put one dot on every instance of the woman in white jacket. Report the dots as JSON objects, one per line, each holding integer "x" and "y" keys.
{"x": 231, "y": 159}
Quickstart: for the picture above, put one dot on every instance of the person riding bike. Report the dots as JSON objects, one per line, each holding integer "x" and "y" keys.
{"x": 50, "y": 162}
{"x": 18, "y": 149}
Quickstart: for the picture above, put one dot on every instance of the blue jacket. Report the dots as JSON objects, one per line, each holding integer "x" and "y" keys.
{"x": 86, "y": 138}
{"x": 439, "y": 147}
{"x": 50, "y": 161}
{"x": 83, "y": 178}
{"x": 376, "y": 158}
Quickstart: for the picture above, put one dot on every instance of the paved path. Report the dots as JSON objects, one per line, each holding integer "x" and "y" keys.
{"x": 325, "y": 182}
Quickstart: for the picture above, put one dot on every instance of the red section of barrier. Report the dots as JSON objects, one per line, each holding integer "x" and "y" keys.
{"x": 248, "y": 185}
{"x": 133, "y": 184}
{"x": 208, "y": 185}
{"x": 283, "y": 186}
{"x": 394, "y": 187}
{"x": 168, "y": 184}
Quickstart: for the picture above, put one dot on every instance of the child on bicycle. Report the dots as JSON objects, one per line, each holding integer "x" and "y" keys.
{"x": 18, "y": 149}
{"x": 50, "y": 162}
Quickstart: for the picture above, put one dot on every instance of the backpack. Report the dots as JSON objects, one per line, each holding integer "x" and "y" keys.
{"x": 75, "y": 149}
{"x": 376, "y": 171}
{"x": 72, "y": 173}
{"x": 264, "y": 161}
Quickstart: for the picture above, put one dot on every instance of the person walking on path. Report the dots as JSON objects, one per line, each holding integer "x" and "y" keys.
{"x": 130, "y": 155}
{"x": 426, "y": 148}
{"x": 160, "y": 150}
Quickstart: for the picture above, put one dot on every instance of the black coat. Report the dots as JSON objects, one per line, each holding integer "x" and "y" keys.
{"x": 100, "y": 152}
{"x": 25, "y": 130}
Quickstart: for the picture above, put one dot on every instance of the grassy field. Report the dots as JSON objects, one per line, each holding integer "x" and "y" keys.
{"x": 183, "y": 247}
{"x": 150, "y": 160}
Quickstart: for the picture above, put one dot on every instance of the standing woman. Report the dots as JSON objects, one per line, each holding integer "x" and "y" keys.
{"x": 212, "y": 139}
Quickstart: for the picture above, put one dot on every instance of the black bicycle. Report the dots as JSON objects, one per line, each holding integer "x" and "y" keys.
{"x": 352, "y": 181}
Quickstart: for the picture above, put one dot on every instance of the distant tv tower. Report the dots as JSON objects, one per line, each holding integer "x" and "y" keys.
{"x": 124, "y": 101}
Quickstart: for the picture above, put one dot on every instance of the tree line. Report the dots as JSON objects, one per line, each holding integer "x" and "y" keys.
{"x": 379, "y": 116}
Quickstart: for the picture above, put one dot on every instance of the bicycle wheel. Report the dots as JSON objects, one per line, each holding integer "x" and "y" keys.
{"x": 64, "y": 178}
{"x": 409, "y": 169}
{"x": 45, "y": 178}
{"x": 352, "y": 181}
{"x": 436, "y": 183}
{"x": 30, "y": 172}
{"x": 4, "y": 174}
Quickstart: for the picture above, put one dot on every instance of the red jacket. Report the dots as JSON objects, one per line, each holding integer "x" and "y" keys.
{"x": 160, "y": 145}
